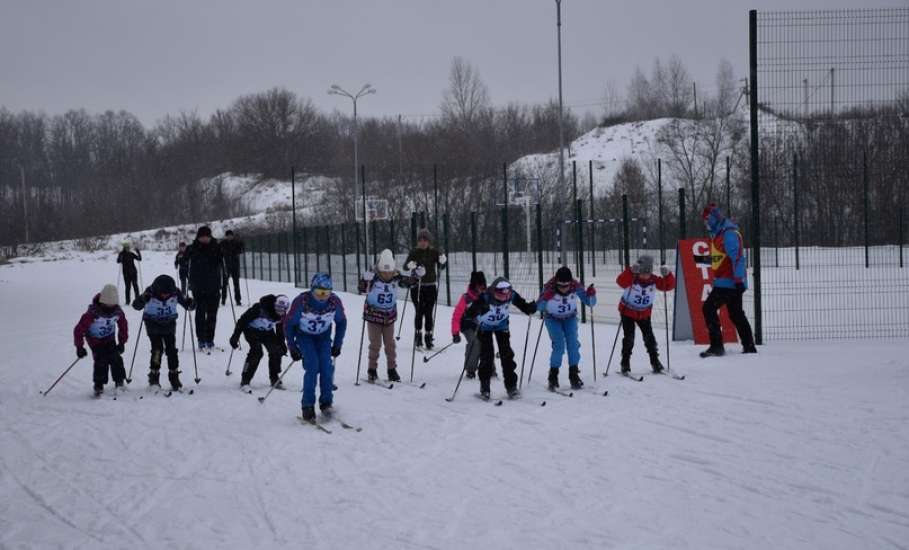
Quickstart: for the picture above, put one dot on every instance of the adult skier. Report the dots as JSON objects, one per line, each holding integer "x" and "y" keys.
{"x": 559, "y": 305}
{"x": 231, "y": 248}
{"x": 181, "y": 264}
{"x": 263, "y": 325}
{"x": 730, "y": 280}
{"x": 104, "y": 327}
{"x": 127, "y": 258}
{"x": 158, "y": 305}
{"x": 641, "y": 286}
{"x": 426, "y": 261}
{"x": 205, "y": 273}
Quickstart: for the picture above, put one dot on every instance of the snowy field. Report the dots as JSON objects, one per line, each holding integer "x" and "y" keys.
{"x": 803, "y": 446}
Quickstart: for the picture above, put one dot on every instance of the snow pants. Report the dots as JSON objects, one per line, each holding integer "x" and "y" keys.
{"x": 424, "y": 306}
{"x": 234, "y": 276}
{"x": 564, "y": 334}
{"x": 382, "y": 335}
{"x": 487, "y": 358}
{"x": 628, "y": 336}
{"x": 732, "y": 299}
{"x": 131, "y": 282}
{"x": 163, "y": 343}
{"x": 206, "y": 316}
{"x": 317, "y": 366}
{"x": 472, "y": 351}
{"x": 183, "y": 277}
{"x": 106, "y": 357}
{"x": 276, "y": 350}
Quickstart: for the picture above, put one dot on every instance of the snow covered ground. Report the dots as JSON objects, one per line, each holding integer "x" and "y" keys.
{"x": 803, "y": 446}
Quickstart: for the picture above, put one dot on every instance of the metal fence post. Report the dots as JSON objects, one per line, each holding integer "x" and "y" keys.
{"x": 293, "y": 215}
{"x": 865, "y": 215}
{"x": 540, "y": 245}
{"x": 318, "y": 249}
{"x": 728, "y": 201}
{"x": 342, "y": 228}
{"x": 328, "y": 249}
{"x": 447, "y": 249}
{"x": 626, "y": 238}
{"x": 580, "y": 246}
{"x": 505, "y": 251}
{"x": 593, "y": 225}
{"x": 900, "y": 231}
{"x": 356, "y": 227}
{"x": 795, "y": 208}
{"x": 413, "y": 230}
{"x": 392, "y": 242}
{"x": 660, "y": 210}
{"x": 473, "y": 240}
{"x": 755, "y": 173}
{"x": 305, "y": 257}
{"x": 683, "y": 224}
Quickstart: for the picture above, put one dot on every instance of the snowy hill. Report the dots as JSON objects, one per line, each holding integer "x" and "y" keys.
{"x": 802, "y": 446}
{"x": 253, "y": 194}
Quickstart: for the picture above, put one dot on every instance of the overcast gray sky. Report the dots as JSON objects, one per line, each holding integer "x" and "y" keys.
{"x": 154, "y": 57}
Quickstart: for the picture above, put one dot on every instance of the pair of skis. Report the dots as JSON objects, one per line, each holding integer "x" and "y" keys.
{"x": 321, "y": 425}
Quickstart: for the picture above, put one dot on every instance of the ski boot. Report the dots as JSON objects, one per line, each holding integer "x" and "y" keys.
{"x": 174, "y": 377}
{"x": 418, "y": 340}
{"x": 626, "y": 364}
{"x": 308, "y": 414}
{"x": 574, "y": 378}
{"x": 749, "y": 349}
{"x": 277, "y": 384}
{"x": 714, "y": 351}
{"x": 393, "y": 375}
{"x": 154, "y": 378}
{"x": 553, "y": 379}
{"x": 326, "y": 409}
{"x": 245, "y": 388}
{"x": 513, "y": 393}
{"x": 428, "y": 341}
{"x": 655, "y": 363}
{"x": 372, "y": 375}
{"x": 98, "y": 389}
{"x": 484, "y": 389}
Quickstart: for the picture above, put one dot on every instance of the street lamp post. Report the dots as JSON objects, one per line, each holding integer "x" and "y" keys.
{"x": 561, "y": 130}
{"x": 365, "y": 90}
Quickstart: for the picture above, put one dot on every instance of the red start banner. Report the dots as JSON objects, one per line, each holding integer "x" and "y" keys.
{"x": 694, "y": 282}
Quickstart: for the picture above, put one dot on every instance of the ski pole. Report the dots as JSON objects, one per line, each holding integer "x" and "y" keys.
{"x": 229, "y": 359}
{"x": 248, "y": 299}
{"x": 593, "y": 345}
{"x": 129, "y": 378}
{"x": 458, "y": 385}
{"x": 413, "y": 352}
{"x": 614, "y": 341}
{"x": 403, "y": 316}
{"x": 443, "y": 348}
{"x": 524, "y": 353}
{"x": 183, "y": 342}
{"x": 666, "y": 316}
{"x": 535, "y": 348}
{"x": 232, "y": 312}
{"x": 192, "y": 340}
{"x": 272, "y": 388}
{"x": 360, "y": 355}
{"x": 59, "y": 378}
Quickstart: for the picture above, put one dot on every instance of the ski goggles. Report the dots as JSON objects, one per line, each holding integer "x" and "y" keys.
{"x": 321, "y": 293}
{"x": 502, "y": 291}
{"x": 563, "y": 284}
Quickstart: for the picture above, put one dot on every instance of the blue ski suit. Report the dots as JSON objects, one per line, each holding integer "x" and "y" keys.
{"x": 561, "y": 314}
{"x": 307, "y": 328}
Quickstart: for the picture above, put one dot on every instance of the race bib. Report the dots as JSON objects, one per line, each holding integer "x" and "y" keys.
{"x": 102, "y": 327}
{"x": 382, "y": 295}
{"x": 316, "y": 323}
{"x": 562, "y": 307}
{"x": 262, "y": 323}
{"x": 495, "y": 318}
{"x": 639, "y": 297}
{"x": 158, "y": 310}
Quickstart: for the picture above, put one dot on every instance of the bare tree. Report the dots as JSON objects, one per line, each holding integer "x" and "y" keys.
{"x": 467, "y": 96}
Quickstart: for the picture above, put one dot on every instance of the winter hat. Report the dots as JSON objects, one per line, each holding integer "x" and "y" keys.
{"x": 203, "y": 231}
{"x": 125, "y": 245}
{"x": 713, "y": 216}
{"x": 321, "y": 280}
{"x": 386, "y": 261}
{"x": 424, "y": 235}
{"x": 477, "y": 279}
{"x": 501, "y": 285}
{"x": 164, "y": 284}
{"x": 282, "y": 304}
{"x": 645, "y": 263}
{"x": 109, "y": 295}
{"x": 563, "y": 275}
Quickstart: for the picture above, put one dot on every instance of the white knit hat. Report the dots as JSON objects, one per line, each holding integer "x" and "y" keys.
{"x": 109, "y": 295}
{"x": 386, "y": 261}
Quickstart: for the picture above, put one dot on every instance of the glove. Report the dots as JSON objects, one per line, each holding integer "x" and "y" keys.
{"x": 190, "y": 304}
{"x": 664, "y": 271}
{"x": 81, "y": 352}
{"x": 138, "y": 304}
{"x": 420, "y": 272}
{"x": 591, "y": 292}
{"x": 283, "y": 349}
{"x": 368, "y": 275}
{"x": 295, "y": 355}
{"x": 411, "y": 265}
{"x": 336, "y": 351}
{"x": 531, "y": 308}
{"x": 740, "y": 287}
{"x": 456, "y": 338}
{"x": 235, "y": 341}
{"x": 443, "y": 259}
{"x": 121, "y": 347}
{"x": 635, "y": 269}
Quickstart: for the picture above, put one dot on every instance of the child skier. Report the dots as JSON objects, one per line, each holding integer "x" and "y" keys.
{"x": 159, "y": 314}
{"x": 460, "y": 323}
{"x": 559, "y": 305}
{"x": 641, "y": 287}
{"x": 262, "y": 325}
{"x": 307, "y": 328}
{"x": 380, "y": 311}
{"x": 102, "y": 325}
{"x": 181, "y": 264}
{"x": 427, "y": 261}
{"x": 491, "y": 311}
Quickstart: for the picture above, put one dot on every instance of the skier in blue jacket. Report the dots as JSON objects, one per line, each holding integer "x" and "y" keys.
{"x": 559, "y": 305}
{"x": 307, "y": 328}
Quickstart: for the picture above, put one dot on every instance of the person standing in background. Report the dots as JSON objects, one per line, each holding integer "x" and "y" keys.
{"x": 231, "y": 248}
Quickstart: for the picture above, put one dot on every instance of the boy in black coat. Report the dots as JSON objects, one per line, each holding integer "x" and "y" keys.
{"x": 263, "y": 325}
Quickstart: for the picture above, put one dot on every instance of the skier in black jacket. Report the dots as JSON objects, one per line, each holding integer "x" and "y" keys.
{"x": 231, "y": 248}
{"x": 205, "y": 272}
{"x": 128, "y": 259}
{"x": 263, "y": 325}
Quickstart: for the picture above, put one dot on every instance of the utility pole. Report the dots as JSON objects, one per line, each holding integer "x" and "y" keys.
{"x": 561, "y": 129}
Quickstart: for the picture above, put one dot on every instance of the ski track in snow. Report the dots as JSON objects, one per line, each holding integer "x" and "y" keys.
{"x": 802, "y": 446}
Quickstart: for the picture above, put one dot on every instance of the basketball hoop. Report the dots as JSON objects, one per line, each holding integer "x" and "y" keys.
{"x": 376, "y": 209}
